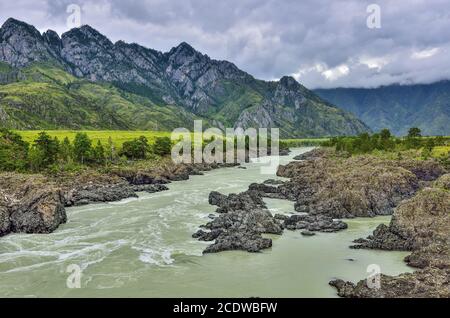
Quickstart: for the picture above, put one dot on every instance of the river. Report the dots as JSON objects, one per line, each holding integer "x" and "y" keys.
{"x": 143, "y": 248}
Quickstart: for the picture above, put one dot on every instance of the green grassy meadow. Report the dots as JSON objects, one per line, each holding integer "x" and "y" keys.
{"x": 118, "y": 136}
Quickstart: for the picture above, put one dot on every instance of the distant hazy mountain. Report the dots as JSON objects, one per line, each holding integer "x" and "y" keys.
{"x": 397, "y": 107}
{"x": 83, "y": 80}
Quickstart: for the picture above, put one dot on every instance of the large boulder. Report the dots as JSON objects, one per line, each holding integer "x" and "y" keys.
{"x": 245, "y": 201}
{"x": 416, "y": 223}
{"x": 5, "y": 223}
{"x": 95, "y": 193}
{"x": 239, "y": 240}
{"x": 243, "y": 218}
{"x": 314, "y": 223}
{"x": 38, "y": 211}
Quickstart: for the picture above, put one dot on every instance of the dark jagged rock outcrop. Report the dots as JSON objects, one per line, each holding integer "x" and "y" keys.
{"x": 421, "y": 225}
{"x": 267, "y": 191}
{"x": 359, "y": 186}
{"x": 39, "y": 211}
{"x": 31, "y": 207}
{"x": 167, "y": 173}
{"x": 245, "y": 201}
{"x": 150, "y": 188}
{"x": 416, "y": 223}
{"x": 243, "y": 218}
{"x": 22, "y": 44}
{"x": 314, "y": 223}
{"x": 95, "y": 193}
{"x": 234, "y": 239}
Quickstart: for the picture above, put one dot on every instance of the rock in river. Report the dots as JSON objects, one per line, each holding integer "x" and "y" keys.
{"x": 243, "y": 218}
{"x": 38, "y": 211}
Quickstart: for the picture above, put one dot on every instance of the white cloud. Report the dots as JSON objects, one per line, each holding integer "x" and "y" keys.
{"x": 323, "y": 43}
{"x": 374, "y": 62}
{"x": 425, "y": 54}
{"x": 337, "y": 72}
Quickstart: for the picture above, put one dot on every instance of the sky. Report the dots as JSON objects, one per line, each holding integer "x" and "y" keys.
{"x": 322, "y": 43}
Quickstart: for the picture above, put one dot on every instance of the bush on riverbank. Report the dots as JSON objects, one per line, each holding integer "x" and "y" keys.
{"x": 49, "y": 154}
{"x": 385, "y": 142}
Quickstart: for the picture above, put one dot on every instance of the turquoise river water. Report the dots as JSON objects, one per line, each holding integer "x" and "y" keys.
{"x": 143, "y": 248}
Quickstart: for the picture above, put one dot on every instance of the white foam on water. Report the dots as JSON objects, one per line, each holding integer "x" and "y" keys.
{"x": 156, "y": 257}
{"x": 124, "y": 201}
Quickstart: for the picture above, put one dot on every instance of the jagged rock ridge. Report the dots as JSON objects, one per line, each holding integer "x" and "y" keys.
{"x": 216, "y": 90}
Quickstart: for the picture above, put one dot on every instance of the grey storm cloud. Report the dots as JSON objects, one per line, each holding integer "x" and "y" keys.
{"x": 321, "y": 43}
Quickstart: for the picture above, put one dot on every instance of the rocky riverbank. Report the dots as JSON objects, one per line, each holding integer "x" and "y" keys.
{"x": 326, "y": 187}
{"x": 36, "y": 203}
{"x": 360, "y": 186}
{"x": 421, "y": 225}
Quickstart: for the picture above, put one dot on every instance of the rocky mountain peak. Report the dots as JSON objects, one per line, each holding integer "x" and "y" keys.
{"x": 53, "y": 40}
{"x": 16, "y": 25}
{"x": 13, "y": 26}
{"x": 183, "y": 54}
{"x": 21, "y": 44}
{"x": 289, "y": 92}
{"x": 86, "y": 35}
{"x": 183, "y": 48}
{"x": 289, "y": 82}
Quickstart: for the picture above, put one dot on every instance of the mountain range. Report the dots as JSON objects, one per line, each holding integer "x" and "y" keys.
{"x": 397, "y": 107}
{"x": 82, "y": 80}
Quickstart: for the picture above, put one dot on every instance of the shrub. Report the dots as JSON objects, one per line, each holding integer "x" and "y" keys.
{"x": 13, "y": 151}
{"x": 162, "y": 146}
{"x": 82, "y": 148}
{"x": 135, "y": 149}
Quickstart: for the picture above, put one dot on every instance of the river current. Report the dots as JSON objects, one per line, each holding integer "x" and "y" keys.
{"x": 143, "y": 248}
